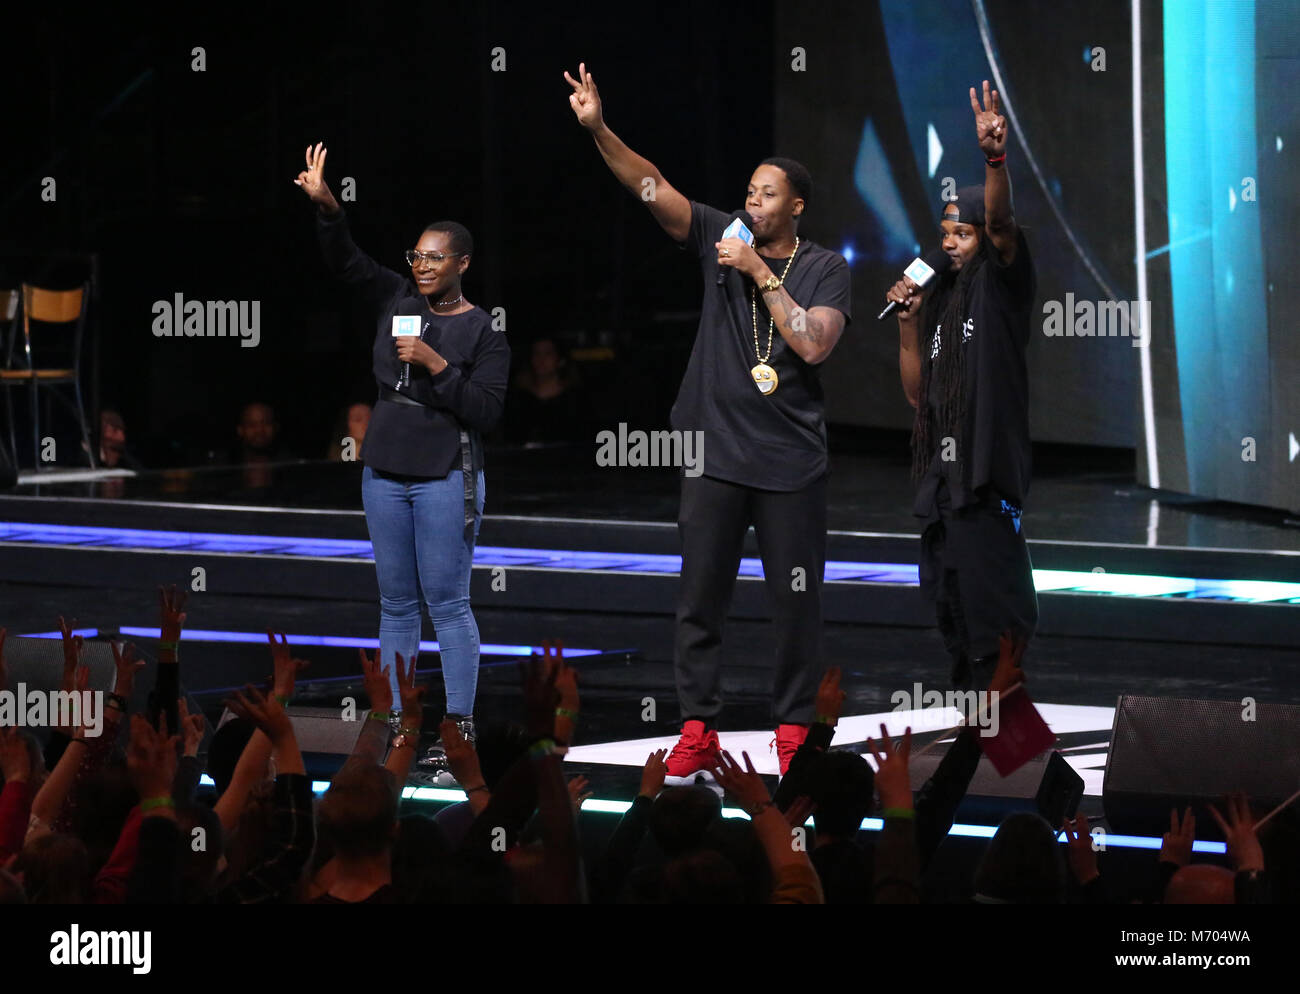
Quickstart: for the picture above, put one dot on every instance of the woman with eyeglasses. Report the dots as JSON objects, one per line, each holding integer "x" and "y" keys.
{"x": 440, "y": 386}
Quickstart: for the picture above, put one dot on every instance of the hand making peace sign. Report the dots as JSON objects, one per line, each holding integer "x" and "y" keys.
{"x": 990, "y": 125}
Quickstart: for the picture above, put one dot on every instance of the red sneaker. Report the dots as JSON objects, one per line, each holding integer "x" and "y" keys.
{"x": 788, "y": 740}
{"x": 696, "y": 750}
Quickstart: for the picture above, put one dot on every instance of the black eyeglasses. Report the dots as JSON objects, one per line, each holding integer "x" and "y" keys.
{"x": 437, "y": 258}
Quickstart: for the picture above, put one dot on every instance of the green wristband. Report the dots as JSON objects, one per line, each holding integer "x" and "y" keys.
{"x": 378, "y": 716}
{"x": 565, "y": 713}
{"x": 149, "y": 803}
{"x": 173, "y": 646}
{"x": 541, "y": 748}
{"x": 826, "y": 719}
{"x": 284, "y": 701}
{"x": 900, "y": 813}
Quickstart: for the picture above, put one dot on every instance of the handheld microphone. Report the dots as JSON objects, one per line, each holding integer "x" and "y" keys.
{"x": 921, "y": 272}
{"x": 407, "y": 321}
{"x": 740, "y": 226}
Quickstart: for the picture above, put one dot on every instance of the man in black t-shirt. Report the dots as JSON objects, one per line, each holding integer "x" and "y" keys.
{"x": 962, "y": 360}
{"x": 771, "y": 313}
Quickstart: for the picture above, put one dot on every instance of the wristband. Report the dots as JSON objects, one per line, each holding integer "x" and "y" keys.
{"x": 565, "y": 713}
{"x": 470, "y": 790}
{"x": 759, "y": 809}
{"x": 173, "y": 646}
{"x": 149, "y": 803}
{"x": 900, "y": 813}
{"x": 541, "y": 748}
{"x": 284, "y": 701}
{"x": 996, "y": 161}
{"x": 826, "y": 719}
{"x": 378, "y": 716}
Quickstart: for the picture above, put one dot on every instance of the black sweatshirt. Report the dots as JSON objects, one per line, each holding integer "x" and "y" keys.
{"x": 469, "y": 393}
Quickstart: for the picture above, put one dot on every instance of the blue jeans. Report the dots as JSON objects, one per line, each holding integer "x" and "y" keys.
{"x": 417, "y": 530}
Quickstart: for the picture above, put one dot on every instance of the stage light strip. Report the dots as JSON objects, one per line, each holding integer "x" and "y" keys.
{"x": 1098, "y": 583}
{"x": 598, "y": 806}
{"x": 343, "y": 641}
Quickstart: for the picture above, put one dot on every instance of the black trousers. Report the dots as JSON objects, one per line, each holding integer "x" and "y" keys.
{"x": 791, "y": 532}
{"x": 975, "y": 567}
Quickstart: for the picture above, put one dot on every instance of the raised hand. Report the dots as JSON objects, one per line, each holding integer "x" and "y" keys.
{"x": 312, "y": 179}
{"x": 1008, "y": 674}
{"x": 892, "y": 781}
{"x": 653, "y": 774}
{"x": 192, "y": 728}
{"x": 1176, "y": 846}
{"x": 72, "y": 646}
{"x": 411, "y": 696}
{"x": 578, "y": 792}
{"x": 1244, "y": 849}
{"x": 566, "y": 681}
{"x": 990, "y": 125}
{"x": 540, "y": 696}
{"x": 1080, "y": 854}
{"x": 171, "y": 606}
{"x": 265, "y": 712}
{"x": 128, "y": 664}
{"x": 286, "y": 667}
{"x": 800, "y": 810}
{"x": 375, "y": 681}
{"x": 585, "y": 99}
{"x": 746, "y": 786}
{"x": 829, "y": 696}
{"x": 151, "y": 758}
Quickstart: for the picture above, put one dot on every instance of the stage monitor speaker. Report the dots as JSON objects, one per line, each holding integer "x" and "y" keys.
{"x": 325, "y": 739}
{"x": 1046, "y": 784}
{"x": 37, "y": 663}
{"x": 1170, "y": 752}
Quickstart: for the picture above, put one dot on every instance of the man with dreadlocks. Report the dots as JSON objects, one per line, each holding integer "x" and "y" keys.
{"x": 962, "y": 359}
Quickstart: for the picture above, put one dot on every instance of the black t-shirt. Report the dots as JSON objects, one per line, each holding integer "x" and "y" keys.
{"x": 995, "y": 332}
{"x": 469, "y": 393}
{"x": 773, "y": 442}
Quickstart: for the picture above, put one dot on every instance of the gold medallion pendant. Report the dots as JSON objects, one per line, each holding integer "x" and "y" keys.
{"x": 764, "y": 378}
{"x": 764, "y": 375}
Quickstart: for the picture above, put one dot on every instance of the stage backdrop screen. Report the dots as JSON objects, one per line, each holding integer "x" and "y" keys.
{"x": 1222, "y": 198}
{"x": 874, "y": 98}
{"x": 1157, "y": 215}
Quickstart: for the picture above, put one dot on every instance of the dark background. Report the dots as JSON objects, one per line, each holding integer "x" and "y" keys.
{"x": 181, "y": 181}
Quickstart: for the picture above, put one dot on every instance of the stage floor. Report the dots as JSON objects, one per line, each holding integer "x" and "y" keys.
{"x": 544, "y": 504}
{"x": 1078, "y": 494}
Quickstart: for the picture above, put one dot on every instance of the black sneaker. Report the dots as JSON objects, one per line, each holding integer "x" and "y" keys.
{"x": 433, "y": 767}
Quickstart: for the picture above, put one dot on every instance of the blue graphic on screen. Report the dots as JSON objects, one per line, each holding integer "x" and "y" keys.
{"x": 1216, "y": 261}
{"x": 874, "y": 181}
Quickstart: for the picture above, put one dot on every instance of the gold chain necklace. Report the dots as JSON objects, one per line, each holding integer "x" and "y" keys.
{"x": 765, "y": 377}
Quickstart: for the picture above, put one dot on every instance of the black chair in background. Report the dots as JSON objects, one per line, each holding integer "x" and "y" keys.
{"x": 51, "y": 326}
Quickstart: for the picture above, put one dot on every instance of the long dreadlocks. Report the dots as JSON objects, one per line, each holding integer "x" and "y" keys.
{"x": 945, "y": 307}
